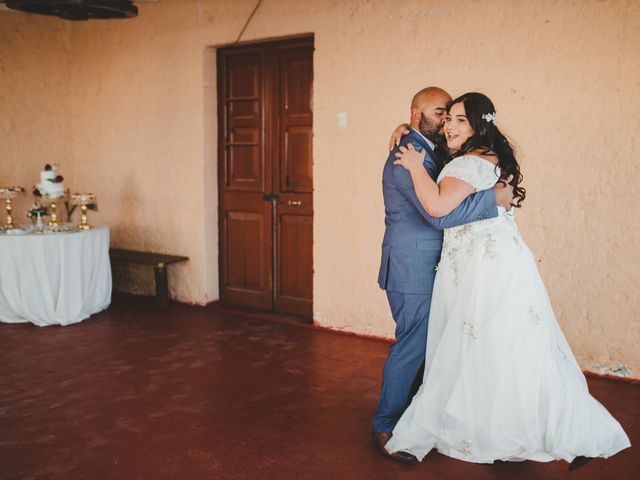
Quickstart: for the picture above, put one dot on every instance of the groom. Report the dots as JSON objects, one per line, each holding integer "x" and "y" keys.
{"x": 410, "y": 252}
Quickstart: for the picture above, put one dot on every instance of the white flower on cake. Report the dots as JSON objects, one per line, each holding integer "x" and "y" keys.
{"x": 51, "y": 184}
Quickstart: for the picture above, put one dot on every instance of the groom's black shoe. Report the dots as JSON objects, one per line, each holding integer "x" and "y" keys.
{"x": 381, "y": 439}
{"x": 578, "y": 462}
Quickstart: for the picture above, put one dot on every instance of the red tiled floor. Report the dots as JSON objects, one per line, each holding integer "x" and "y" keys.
{"x": 190, "y": 393}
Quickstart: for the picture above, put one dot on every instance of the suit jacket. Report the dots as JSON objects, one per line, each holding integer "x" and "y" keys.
{"x": 413, "y": 239}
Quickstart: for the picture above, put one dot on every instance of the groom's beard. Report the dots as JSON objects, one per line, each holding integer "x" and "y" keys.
{"x": 430, "y": 128}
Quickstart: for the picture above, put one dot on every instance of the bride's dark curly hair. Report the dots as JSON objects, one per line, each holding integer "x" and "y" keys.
{"x": 489, "y": 139}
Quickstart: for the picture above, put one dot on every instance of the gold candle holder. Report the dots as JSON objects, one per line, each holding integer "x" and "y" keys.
{"x": 83, "y": 200}
{"x": 54, "y": 217}
{"x": 51, "y": 202}
{"x": 8, "y": 193}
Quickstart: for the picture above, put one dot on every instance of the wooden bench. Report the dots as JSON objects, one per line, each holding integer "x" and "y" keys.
{"x": 159, "y": 262}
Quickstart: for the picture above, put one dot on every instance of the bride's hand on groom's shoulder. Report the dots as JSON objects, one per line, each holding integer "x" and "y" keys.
{"x": 504, "y": 193}
{"x": 396, "y": 136}
{"x": 409, "y": 157}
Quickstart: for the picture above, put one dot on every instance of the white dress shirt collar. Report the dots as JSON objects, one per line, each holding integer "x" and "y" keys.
{"x": 429, "y": 142}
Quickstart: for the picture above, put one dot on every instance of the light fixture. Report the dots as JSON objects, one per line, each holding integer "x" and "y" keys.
{"x": 76, "y": 9}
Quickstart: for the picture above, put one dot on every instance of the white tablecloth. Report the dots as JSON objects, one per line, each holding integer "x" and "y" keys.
{"x": 54, "y": 278}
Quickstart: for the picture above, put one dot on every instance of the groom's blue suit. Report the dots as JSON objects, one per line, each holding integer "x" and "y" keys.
{"x": 410, "y": 252}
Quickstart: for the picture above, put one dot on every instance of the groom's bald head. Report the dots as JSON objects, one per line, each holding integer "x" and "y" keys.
{"x": 429, "y": 95}
{"x": 428, "y": 109}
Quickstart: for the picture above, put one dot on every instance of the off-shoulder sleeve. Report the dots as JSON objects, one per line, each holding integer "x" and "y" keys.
{"x": 477, "y": 172}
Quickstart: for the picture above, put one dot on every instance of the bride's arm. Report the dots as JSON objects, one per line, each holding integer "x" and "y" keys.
{"x": 438, "y": 201}
{"x": 398, "y": 133}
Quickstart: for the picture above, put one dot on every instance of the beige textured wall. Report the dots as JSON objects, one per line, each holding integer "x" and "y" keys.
{"x": 137, "y": 124}
{"x": 563, "y": 74}
{"x": 35, "y": 111}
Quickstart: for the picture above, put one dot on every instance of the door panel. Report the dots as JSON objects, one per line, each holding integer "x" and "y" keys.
{"x": 294, "y": 268}
{"x": 244, "y": 122}
{"x": 244, "y": 167}
{"x": 246, "y": 251}
{"x": 296, "y": 70}
{"x": 245, "y": 75}
{"x": 297, "y": 153}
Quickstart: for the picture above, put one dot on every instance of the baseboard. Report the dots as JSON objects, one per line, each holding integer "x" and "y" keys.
{"x": 608, "y": 376}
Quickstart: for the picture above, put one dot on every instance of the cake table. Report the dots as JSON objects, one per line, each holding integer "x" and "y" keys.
{"x": 54, "y": 278}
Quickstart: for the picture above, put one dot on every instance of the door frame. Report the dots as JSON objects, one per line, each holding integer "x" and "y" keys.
{"x": 270, "y": 147}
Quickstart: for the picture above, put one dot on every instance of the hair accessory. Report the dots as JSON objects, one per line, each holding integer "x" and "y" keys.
{"x": 490, "y": 117}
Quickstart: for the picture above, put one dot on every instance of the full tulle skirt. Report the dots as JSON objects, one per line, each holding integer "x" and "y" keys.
{"x": 500, "y": 382}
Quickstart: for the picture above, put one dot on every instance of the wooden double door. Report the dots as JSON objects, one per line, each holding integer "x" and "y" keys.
{"x": 265, "y": 175}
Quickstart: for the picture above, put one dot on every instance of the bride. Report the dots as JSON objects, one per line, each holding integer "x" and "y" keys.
{"x": 500, "y": 380}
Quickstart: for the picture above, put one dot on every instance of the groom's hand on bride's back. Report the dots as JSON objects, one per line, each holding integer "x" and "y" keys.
{"x": 396, "y": 136}
{"x": 504, "y": 193}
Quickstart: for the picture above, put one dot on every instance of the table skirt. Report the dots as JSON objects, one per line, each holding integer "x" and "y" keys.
{"x": 54, "y": 279}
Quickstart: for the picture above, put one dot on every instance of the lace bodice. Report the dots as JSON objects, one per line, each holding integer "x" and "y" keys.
{"x": 476, "y": 171}
{"x": 482, "y": 175}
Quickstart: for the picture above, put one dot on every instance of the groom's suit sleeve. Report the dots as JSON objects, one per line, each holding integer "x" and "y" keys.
{"x": 478, "y": 206}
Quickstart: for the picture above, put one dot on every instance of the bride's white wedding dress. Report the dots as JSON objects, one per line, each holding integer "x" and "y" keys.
{"x": 500, "y": 381}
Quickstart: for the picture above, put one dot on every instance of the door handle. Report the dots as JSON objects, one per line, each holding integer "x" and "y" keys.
{"x": 295, "y": 203}
{"x": 270, "y": 198}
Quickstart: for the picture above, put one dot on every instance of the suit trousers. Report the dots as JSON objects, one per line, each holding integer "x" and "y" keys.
{"x": 405, "y": 362}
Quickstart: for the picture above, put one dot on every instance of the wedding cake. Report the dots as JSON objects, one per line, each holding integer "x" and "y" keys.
{"x": 51, "y": 183}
